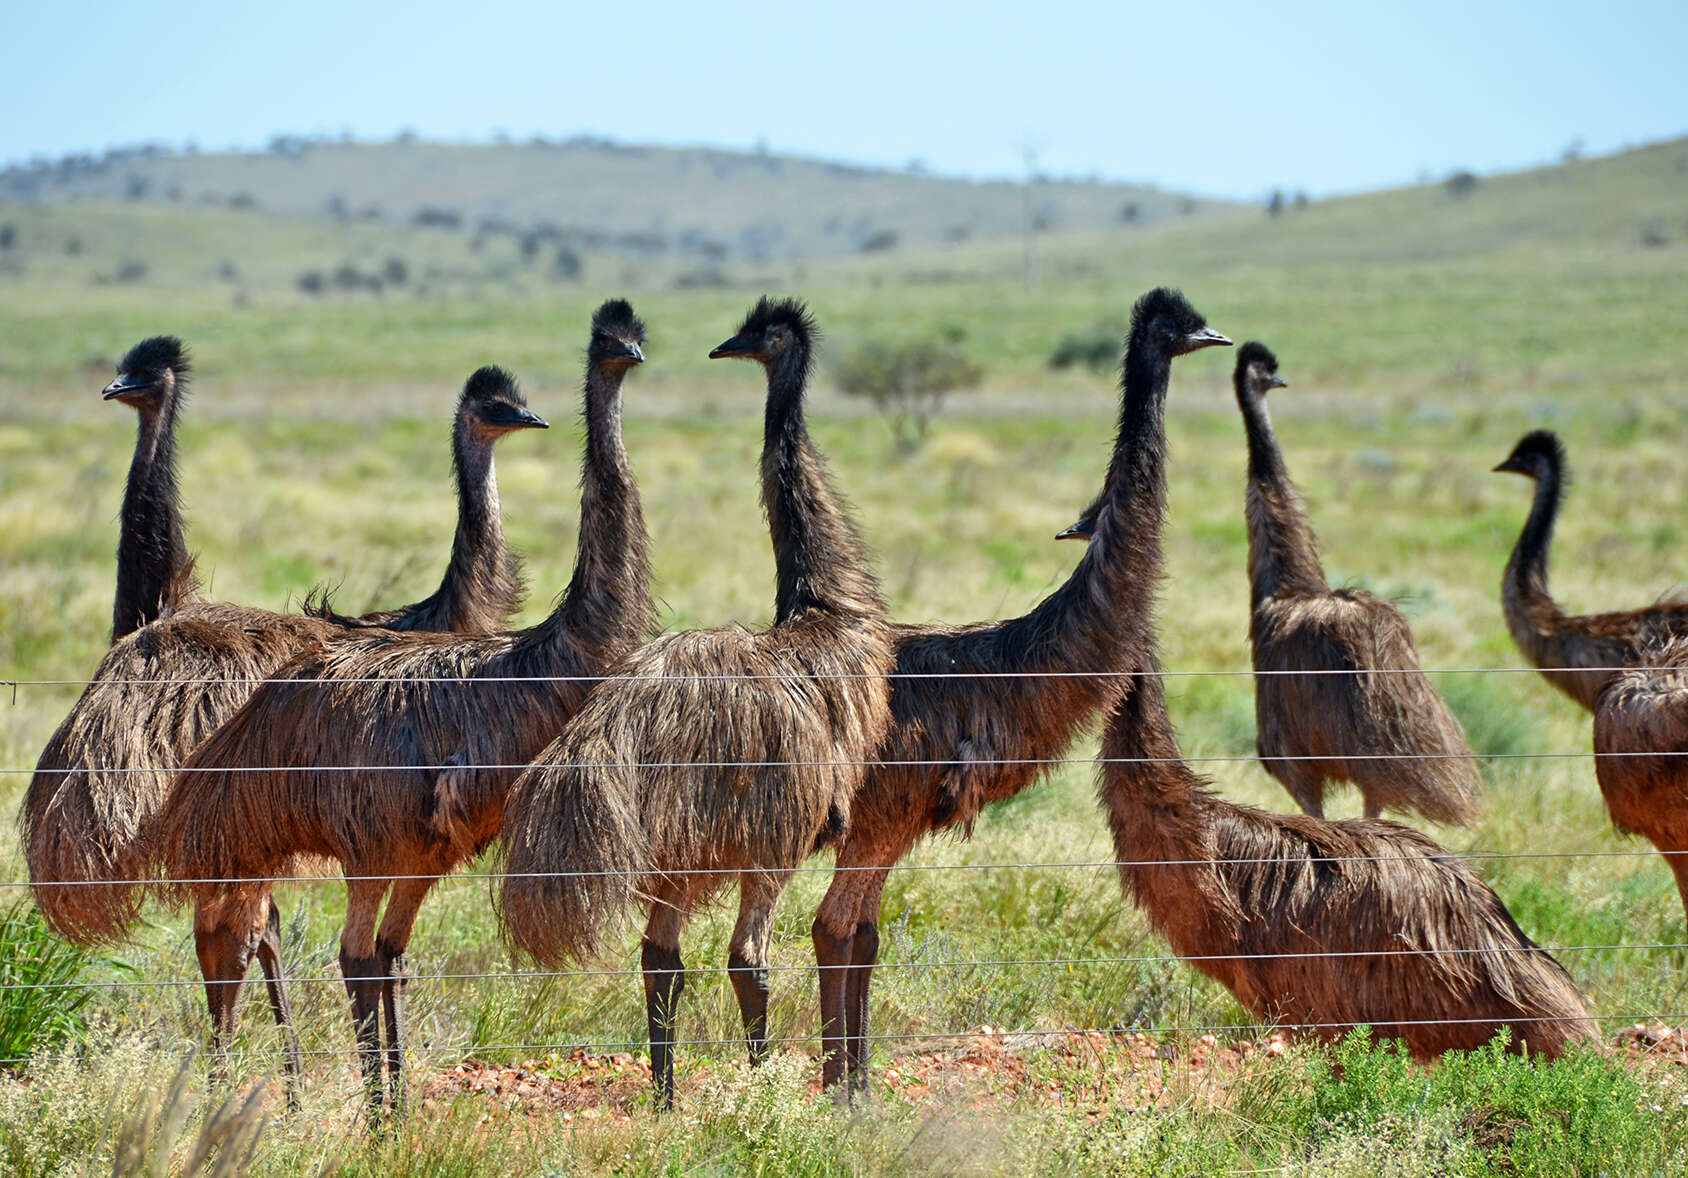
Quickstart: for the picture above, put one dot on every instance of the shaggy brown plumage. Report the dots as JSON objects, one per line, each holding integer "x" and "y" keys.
{"x": 88, "y": 817}
{"x": 969, "y": 725}
{"x": 1645, "y": 710}
{"x": 441, "y": 724}
{"x": 1386, "y": 708}
{"x": 1422, "y": 949}
{"x": 1586, "y": 646}
{"x": 735, "y": 749}
{"x": 152, "y": 379}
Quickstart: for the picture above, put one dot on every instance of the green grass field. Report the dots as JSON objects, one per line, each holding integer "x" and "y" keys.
{"x": 1422, "y": 334}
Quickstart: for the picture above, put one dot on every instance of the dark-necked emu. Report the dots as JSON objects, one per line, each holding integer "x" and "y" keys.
{"x": 737, "y": 752}
{"x": 1577, "y": 653}
{"x": 89, "y": 823}
{"x": 1022, "y": 688}
{"x": 152, "y": 555}
{"x": 391, "y": 753}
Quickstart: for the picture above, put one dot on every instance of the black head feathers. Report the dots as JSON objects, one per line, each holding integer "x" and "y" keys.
{"x": 1255, "y": 352}
{"x": 1163, "y": 305}
{"x": 493, "y": 383}
{"x": 616, "y": 318}
{"x": 1537, "y": 448}
{"x": 791, "y": 314}
{"x": 152, "y": 356}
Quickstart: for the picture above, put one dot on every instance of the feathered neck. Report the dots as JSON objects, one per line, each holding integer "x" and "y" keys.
{"x": 151, "y": 549}
{"x": 1524, "y": 586}
{"x": 1283, "y": 553}
{"x": 820, "y": 561}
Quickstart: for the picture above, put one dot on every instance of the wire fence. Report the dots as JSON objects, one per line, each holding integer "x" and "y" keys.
{"x": 971, "y": 764}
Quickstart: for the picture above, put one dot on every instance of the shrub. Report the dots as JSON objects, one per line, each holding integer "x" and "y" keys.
{"x": 310, "y": 282}
{"x": 1461, "y": 183}
{"x": 1097, "y": 348}
{"x": 879, "y": 241}
{"x": 40, "y": 1003}
{"x": 567, "y": 266}
{"x": 908, "y": 380}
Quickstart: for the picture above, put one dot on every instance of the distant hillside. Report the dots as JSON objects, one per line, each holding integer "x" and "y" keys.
{"x": 714, "y": 205}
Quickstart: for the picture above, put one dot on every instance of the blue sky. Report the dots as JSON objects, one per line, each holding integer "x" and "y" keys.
{"x": 1219, "y": 97}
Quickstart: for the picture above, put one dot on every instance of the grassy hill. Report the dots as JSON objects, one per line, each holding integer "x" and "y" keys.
{"x": 705, "y": 204}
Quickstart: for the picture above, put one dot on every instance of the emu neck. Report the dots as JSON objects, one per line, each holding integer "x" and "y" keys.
{"x": 1090, "y": 622}
{"x": 482, "y": 577}
{"x": 1283, "y": 554}
{"x": 608, "y": 599}
{"x": 151, "y": 548}
{"x": 820, "y": 563}
{"x": 1530, "y": 609}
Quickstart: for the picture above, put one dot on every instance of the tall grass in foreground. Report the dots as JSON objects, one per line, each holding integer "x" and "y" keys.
{"x": 41, "y": 1006}
{"x": 120, "y": 1107}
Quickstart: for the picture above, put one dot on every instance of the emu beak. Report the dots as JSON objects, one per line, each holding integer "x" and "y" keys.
{"x": 1504, "y": 468}
{"x": 1084, "y": 530}
{"x": 528, "y": 419}
{"x": 1205, "y": 338}
{"x": 124, "y": 384}
{"x": 1279, "y": 382}
{"x": 737, "y": 346}
{"x": 635, "y": 354}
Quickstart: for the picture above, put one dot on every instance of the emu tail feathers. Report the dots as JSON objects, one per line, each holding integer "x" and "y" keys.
{"x": 575, "y": 849}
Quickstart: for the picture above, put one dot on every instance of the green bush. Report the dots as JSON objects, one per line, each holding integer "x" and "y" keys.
{"x": 1098, "y": 348}
{"x": 907, "y": 380}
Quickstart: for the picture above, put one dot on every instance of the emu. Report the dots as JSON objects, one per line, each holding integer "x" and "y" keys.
{"x": 953, "y": 742}
{"x": 89, "y": 817}
{"x": 1324, "y": 924}
{"x": 1640, "y": 742}
{"x": 1366, "y": 713}
{"x": 152, "y": 379}
{"x": 738, "y": 751}
{"x": 1576, "y": 653}
{"x": 438, "y": 724}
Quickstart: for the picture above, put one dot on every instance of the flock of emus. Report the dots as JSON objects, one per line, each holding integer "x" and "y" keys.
{"x": 219, "y": 748}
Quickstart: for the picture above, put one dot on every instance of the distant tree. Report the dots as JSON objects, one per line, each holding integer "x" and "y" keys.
{"x": 908, "y": 380}
{"x": 405, "y": 137}
{"x": 567, "y": 265}
{"x": 135, "y": 187}
{"x": 310, "y": 282}
{"x": 879, "y": 241}
{"x": 958, "y": 233}
{"x": 227, "y": 271}
{"x": 1275, "y": 203}
{"x": 130, "y": 270}
{"x": 1129, "y": 212}
{"x": 1653, "y": 236}
{"x": 1461, "y": 183}
{"x": 437, "y": 218}
{"x": 1301, "y": 200}
{"x": 1186, "y": 207}
{"x": 244, "y": 201}
{"x": 1097, "y": 348}
{"x": 8, "y": 236}
{"x": 337, "y": 207}
{"x": 73, "y": 246}
{"x": 1573, "y": 151}
{"x": 394, "y": 271}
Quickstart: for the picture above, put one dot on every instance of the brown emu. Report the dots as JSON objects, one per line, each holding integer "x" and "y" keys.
{"x": 1575, "y": 652}
{"x": 438, "y": 726}
{"x": 152, "y": 379}
{"x": 1642, "y": 711}
{"x": 739, "y": 751}
{"x": 1327, "y": 925}
{"x": 1367, "y": 713}
{"x": 956, "y": 744}
{"x": 89, "y": 816}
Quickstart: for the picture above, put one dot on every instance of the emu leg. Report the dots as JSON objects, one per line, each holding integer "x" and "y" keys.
{"x": 1677, "y": 858}
{"x": 832, "y": 959}
{"x": 226, "y": 931}
{"x": 864, "y": 955}
{"x": 275, "y": 981}
{"x": 747, "y": 960}
{"x": 665, "y": 978}
{"x": 397, "y": 924}
{"x": 363, "y": 972}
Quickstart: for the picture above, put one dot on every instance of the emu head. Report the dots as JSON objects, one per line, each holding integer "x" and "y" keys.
{"x": 151, "y": 372}
{"x": 774, "y": 330}
{"x": 492, "y": 405}
{"x": 1165, "y": 321}
{"x": 1537, "y": 455}
{"x": 1257, "y": 371}
{"x": 618, "y": 337}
